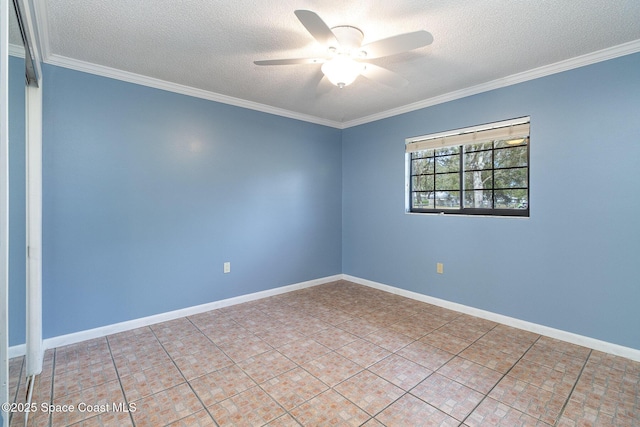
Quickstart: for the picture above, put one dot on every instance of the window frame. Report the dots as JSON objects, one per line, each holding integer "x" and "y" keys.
{"x": 457, "y": 135}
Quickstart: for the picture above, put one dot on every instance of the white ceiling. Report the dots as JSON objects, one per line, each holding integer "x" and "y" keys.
{"x": 206, "y": 48}
{"x": 15, "y": 40}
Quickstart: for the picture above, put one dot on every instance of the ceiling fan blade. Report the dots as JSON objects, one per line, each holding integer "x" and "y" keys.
{"x": 398, "y": 44}
{"x": 290, "y": 61}
{"x": 384, "y": 76}
{"x": 317, "y": 28}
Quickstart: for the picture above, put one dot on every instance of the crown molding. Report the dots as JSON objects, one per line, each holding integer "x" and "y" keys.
{"x": 558, "y": 67}
{"x": 41, "y": 17}
{"x": 16, "y": 50}
{"x": 546, "y": 70}
{"x": 139, "y": 79}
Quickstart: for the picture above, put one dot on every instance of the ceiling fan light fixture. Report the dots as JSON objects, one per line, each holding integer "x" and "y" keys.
{"x": 345, "y": 56}
{"x": 342, "y": 70}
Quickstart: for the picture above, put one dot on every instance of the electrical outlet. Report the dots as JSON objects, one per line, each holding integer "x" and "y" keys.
{"x": 227, "y": 267}
{"x": 440, "y": 268}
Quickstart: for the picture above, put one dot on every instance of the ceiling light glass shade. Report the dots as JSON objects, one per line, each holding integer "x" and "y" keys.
{"x": 342, "y": 70}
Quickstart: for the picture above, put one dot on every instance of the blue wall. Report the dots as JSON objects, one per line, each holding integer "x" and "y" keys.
{"x": 573, "y": 265}
{"x": 17, "y": 213}
{"x": 147, "y": 193}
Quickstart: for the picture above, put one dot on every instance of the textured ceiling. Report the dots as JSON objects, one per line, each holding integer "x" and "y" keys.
{"x": 210, "y": 45}
{"x": 15, "y": 40}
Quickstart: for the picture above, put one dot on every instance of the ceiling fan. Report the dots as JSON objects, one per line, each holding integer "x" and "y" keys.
{"x": 346, "y": 58}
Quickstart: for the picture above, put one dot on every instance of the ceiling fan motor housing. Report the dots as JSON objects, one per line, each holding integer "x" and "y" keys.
{"x": 350, "y": 39}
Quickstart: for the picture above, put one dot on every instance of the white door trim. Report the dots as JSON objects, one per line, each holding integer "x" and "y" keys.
{"x": 4, "y": 206}
{"x": 35, "y": 351}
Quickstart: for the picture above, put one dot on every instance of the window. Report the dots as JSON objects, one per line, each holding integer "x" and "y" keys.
{"x": 482, "y": 170}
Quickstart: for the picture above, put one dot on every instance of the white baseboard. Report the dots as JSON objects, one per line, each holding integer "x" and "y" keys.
{"x": 607, "y": 347}
{"x": 62, "y": 340}
{"x": 604, "y": 346}
{"x": 17, "y": 350}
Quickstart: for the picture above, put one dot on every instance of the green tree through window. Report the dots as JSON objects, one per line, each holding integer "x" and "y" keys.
{"x": 490, "y": 177}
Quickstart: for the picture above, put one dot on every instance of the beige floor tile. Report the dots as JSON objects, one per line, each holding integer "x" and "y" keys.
{"x": 444, "y": 313}
{"x": 107, "y": 419}
{"x": 87, "y": 376}
{"x": 82, "y": 355}
{"x": 204, "y": 362}
{"x": 389, "y": 339}
{"x": 252, "y": 407}
{"x": 359, "y": 327}
{"x": 267, "y": 365}
{"x": 151, "y": 381}
{"x": 333, "y": 354}
{"x": 409, "y": 328}
{"x": 471, "y": 374}
{"x": 573, "y": 350}
{"x": 284, "y": 421}
{"x": 304, "y": 350}
{"x": 199, "y": 419}
{"x": 334, "y": 316}
{"x": 556, "y": 360}
{"x": 411, "y": 411}
{"x": 259, "y": 322}
{"x": 363, "y": 352}
{"x": 529, "y": 399}
{"x": 490, "y": 356}
{"x": 447, "y": 395}
{"x": 174, "y": 330}
{"x": 400, "y": 371}
{"x": 16, "y": 367}
{"x": 332, "y": 368}
{"x": 185, "y": 345}
{"x": 245, "y": 348}
{"x": 373, "y": 423}
{"x": 369, "y": 392}
{"x": 447, "y": 342}
{"x": 66, "y": 410}
{"x": 130, "y": 342}
{"x": 307, "y": 325}
{"x": 221, "y": 384}
{"x": 490, "y": 412}
{"x": 462, "y": 330}
{"x": 166, "y": 406}
{"x": 509, "y": 340}
{"x": 211, "y": 318}
{"x": 334, "y": 337}
{"x": 544, "y": 377}
{"x": 147, "y": 357}
{"x": 607, "y": 392}
{"x": 428, "y": 321}
{"x": 293, "y": 388}
{"x": 426, "y": 355}
{"x": 329, "y": 409}
{"x": 282, "y": 335}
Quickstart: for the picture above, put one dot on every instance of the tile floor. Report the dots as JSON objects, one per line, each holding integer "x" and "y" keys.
{"x": 338, "y": 354}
